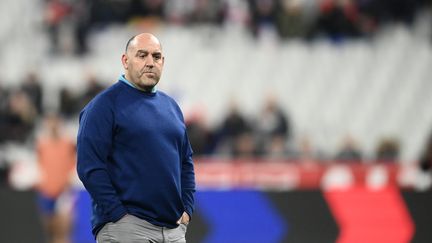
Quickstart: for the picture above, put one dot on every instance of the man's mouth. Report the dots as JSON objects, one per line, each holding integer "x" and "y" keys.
{"x": 149, "y": 74}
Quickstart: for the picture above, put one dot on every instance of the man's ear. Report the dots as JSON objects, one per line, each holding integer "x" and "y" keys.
{"x": 125, "y": 61}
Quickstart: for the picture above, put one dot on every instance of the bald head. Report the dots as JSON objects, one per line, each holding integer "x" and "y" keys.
{"x": 143, "y": 36}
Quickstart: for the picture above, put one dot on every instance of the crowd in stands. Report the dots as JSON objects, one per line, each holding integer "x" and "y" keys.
{"x": 302, "y": 19}
{"x": 269, "y": 134}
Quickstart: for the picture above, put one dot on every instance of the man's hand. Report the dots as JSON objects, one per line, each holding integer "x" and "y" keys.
{"x": 184, "y": 219}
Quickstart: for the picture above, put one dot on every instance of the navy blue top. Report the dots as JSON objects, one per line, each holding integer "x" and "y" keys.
{"x": 134, "y": 157}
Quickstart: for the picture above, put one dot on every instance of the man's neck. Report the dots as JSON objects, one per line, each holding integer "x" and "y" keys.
{"x": 151, "y": 89}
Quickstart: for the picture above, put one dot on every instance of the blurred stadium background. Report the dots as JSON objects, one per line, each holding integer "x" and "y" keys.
{"x": 310, "y": 119}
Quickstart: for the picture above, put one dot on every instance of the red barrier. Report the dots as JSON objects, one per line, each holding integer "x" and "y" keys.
{"x": 286, "y": 175}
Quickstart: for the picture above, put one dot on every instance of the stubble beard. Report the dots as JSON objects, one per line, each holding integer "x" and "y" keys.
{"x": 146, "y": 83}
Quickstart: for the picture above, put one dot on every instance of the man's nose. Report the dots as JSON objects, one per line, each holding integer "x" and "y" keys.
{"x": 149, "y": 62}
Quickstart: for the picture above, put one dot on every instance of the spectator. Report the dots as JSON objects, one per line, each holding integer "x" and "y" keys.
{"x": 17, "y": 121}
{"x": 199, "y": 136}
{"x": 235, "y": 134}
{"x": 277, "y": 149}
{"x": 4, "y": 96}
{"x": 4, "y": 172}
{"x": 82, "y": 24}
{"x": 56, "y": 162}
{"x": 56, "y": 12}
{"x": 93, "y": 88}
{"x": 105, "y": 12}
{"x": 306, "y": 152}
{"x": 236, "y": 13}
{"x": 290, "y": 19}
{"x": 349, "y": 151}
{"x": 147, "y": 14}
{"x": 178, "y": 11}
{"x": 338, "y": 19}
{"x": 400, "y": 10}
{"x": 244, "y": 145}
{"x": 208, "y": 12}
{"x": 33, "y": 88}
{"x": 273, "y": 128}
{"x": 387, "y": 150}
{"x": 69, "y": 105}
{"x": 147, "y": 8}
{"x": 426, "y": 156}
{"x": 263, "y": 16}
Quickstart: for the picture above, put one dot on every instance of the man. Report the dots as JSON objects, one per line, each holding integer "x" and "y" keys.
{"x": 134, "y": 155}
{"x": 56, "y": 162}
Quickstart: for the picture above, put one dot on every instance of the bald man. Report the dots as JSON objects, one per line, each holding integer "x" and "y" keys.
{"x": 134, "y": 155}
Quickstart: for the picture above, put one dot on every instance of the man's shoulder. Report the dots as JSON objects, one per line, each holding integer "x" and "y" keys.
{"x": 166, "y": 96}
{"x": 173, "y": 103}
{"x": 110, "y": 92}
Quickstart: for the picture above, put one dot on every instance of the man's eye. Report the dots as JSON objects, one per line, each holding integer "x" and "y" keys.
{"x": 157, "y": 57}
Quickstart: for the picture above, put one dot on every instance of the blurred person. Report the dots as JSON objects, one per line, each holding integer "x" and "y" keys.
{"x": 273, "y": 127}
{"x": 401, "y": 10}
{"x": 69, "y": 105}
{"x": 349, "y": 151}
{"x": 376, "y": 13}
{"x": 178, "y": 11}
{"x": 146, "y": 14}
{"x": 387, "y": 150}
{"x": 104, "y": 12}
{"x": 56, "y": 162}
{"x": 262, "y": 16}
{"x": 208, "y": 12}
{"x": 305, "y": 151}
{"x": 370, "y": 11}
{"x": 291, "y": 20}
{"x": 4, "y": 168}
{"x": 199, "y": 135}
{"x": 4, "y": 172}
{"x": 18, "y": 119}
{"x": 234, "y": 133}
{"x": 80, "y": 11}
{"x": 33, "y": 88}
{"x": 277, "y": 149}
{"x": 425, "y": 160}
{"x": 4, "y": 96}
{"x": 244, "y": 146}
{"x": 338, "y": 19}
{"x": 147, "y": 8}
{"x": 93, "y": 88}
{"x": 133, "y": 137}
{"x": 55, "y": 14}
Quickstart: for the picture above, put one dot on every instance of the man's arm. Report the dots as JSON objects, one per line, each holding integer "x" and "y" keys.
{"x": 187, "y": 177}
{"x": 93, "y": 147}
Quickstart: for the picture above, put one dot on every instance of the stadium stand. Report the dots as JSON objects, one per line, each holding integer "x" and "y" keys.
{"x": 369, "y": 88}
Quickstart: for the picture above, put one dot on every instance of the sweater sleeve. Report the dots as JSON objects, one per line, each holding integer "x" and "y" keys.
{"x": 187, "y": 177}
{"x": 93, "y": 148}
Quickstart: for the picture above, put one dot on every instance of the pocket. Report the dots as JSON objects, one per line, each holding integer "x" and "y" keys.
{"x": 106, "y": 234}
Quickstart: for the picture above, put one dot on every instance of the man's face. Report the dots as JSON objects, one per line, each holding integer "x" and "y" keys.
{"x": 143, "y": 62}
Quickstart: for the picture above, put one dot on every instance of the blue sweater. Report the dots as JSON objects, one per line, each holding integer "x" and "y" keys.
{"x": 134, "y": 157}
